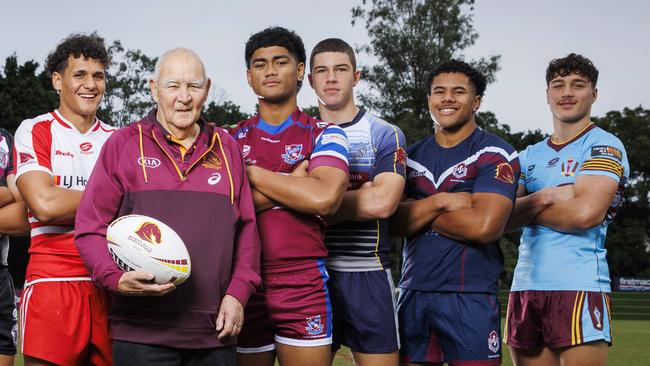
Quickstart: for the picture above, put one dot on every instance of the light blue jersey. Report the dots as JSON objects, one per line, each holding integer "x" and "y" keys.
{"x": 552, "y": 260}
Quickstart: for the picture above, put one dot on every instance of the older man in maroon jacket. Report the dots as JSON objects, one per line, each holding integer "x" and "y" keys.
{"x": 177, "y": 168}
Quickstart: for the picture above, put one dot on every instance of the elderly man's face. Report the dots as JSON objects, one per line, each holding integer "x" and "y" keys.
{"x": 180, "y": 91}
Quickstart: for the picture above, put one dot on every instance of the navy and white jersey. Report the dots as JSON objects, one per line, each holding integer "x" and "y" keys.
{"x": 552, "y": 260}
{"x": 482, "y": 163}
{"x": 6, "y": 168}
{"x": 375, "y": 147}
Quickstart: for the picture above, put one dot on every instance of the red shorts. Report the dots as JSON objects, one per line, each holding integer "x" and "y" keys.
{"x": 65, "y": 323}
{"x": 293, "y": 309}
{"x": 557, "y": 319}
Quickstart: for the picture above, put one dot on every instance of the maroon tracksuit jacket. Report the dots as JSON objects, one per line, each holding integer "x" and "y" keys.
{"x": 205, "y": 197}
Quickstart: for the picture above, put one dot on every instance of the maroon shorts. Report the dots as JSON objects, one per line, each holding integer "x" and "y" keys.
{"x": 293, "y": 308}
{"x": 557, "y": 319}
{"x": 65, "y": 323}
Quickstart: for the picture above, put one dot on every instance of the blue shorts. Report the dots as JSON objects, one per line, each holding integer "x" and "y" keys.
{"x": 363, "y": 304}
{"x": 457, "y": 328}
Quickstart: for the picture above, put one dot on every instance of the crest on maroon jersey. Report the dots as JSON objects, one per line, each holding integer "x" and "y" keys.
{"x": 292, "y": 153}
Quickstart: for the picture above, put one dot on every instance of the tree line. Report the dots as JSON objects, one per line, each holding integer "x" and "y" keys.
{"x": 407, "y": 39}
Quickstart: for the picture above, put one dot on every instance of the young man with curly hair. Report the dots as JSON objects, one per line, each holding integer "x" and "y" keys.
{"x": 291, "y": 315}
{"x": 460, "y": 188}
{"x": 63, "y": 315}
{"x": 570, "y": 187}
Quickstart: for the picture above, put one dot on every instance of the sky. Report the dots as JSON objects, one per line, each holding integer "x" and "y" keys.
{"x": 527, "y": 35}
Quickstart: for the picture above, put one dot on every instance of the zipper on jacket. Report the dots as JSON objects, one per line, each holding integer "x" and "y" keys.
{"x": 214, "y": 137}
{"x": 182, "y": 175}
{"x": 178, "y": 170}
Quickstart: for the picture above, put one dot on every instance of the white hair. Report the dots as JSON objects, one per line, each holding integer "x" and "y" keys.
{"x": 163, "y": 58}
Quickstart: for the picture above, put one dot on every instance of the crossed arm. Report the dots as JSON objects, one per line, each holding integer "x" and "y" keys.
{"x": 49, "y": 203}
{"x": 320, "y": 192}
{"x": 478, "y": 218}
{"x": 373, "y": 200}
{"x": 569, "y": 208}
{"x": 13, "y": 213}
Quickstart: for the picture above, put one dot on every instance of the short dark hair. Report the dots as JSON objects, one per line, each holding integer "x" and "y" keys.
{"x": 276, "y": 36}
{"x": 333, "y": 45}
{"x": 573, "y": 63}
{"x": 77, "y": 45}
{"x": 476, "y": 78}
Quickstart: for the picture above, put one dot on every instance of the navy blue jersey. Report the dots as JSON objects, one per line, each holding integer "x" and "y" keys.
{"x": 483, "y": 163}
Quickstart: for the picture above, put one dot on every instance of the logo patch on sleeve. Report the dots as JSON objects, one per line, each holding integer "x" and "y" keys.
{"x": 26, "y": 158}
{"x": 603, "y": 150}
{"x": 400, "y": 156}
{"x": 504, "y": 173}
{"x": 332, "y": 138}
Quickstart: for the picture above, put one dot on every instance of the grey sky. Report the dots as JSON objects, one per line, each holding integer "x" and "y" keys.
{"x": 526, "y": 34}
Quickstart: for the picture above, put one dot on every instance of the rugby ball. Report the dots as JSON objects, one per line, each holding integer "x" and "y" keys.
{"x": 142, "y": 243}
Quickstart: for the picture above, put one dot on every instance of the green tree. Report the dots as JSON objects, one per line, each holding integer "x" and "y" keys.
{"x": 312, "y": 110}
{"x": 409, "y": 38}
{"x": 518, "y": 140}
{"x": 24, "y": 93}
{"x": 628, "y": 237}
{"x": 224, "y": 113}
{"x": 127, "y": 96}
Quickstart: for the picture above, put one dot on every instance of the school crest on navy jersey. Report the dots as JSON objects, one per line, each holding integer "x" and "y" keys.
{"x": 460, "y": 171}
{"x": 493, "y": 341}
{"x": 292, "y": 153}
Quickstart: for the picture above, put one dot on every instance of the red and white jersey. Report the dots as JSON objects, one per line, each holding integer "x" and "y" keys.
{"x": 51, "y": 144}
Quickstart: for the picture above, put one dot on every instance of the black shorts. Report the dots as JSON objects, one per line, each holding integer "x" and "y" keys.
{"x": 135, "y": 354}
{"x": 8, "y": 314}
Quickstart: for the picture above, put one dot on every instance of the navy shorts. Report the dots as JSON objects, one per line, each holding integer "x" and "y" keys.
{"x": 457, "y": 328}
{"x": 8, "y": 314}
{"x": 365, "y": 317}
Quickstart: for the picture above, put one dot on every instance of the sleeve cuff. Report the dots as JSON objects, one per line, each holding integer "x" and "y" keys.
{"x": 240, "y": 290}
{"x": 111, "y": 280}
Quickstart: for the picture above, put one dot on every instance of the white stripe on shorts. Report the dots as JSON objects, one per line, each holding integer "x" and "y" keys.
{"x": 267, "y": 348}
{"x": 24, "y": 307}
{"x": 304, "y": 342}
{"x": 392, "y": 297}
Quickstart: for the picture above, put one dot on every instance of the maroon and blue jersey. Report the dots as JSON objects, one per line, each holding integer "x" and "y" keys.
{"x": 482, "y": 163}
{"x": 290, "y": 238}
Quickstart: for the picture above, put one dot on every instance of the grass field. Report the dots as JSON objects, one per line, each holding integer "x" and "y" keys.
{"x": 631, "y": 346}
